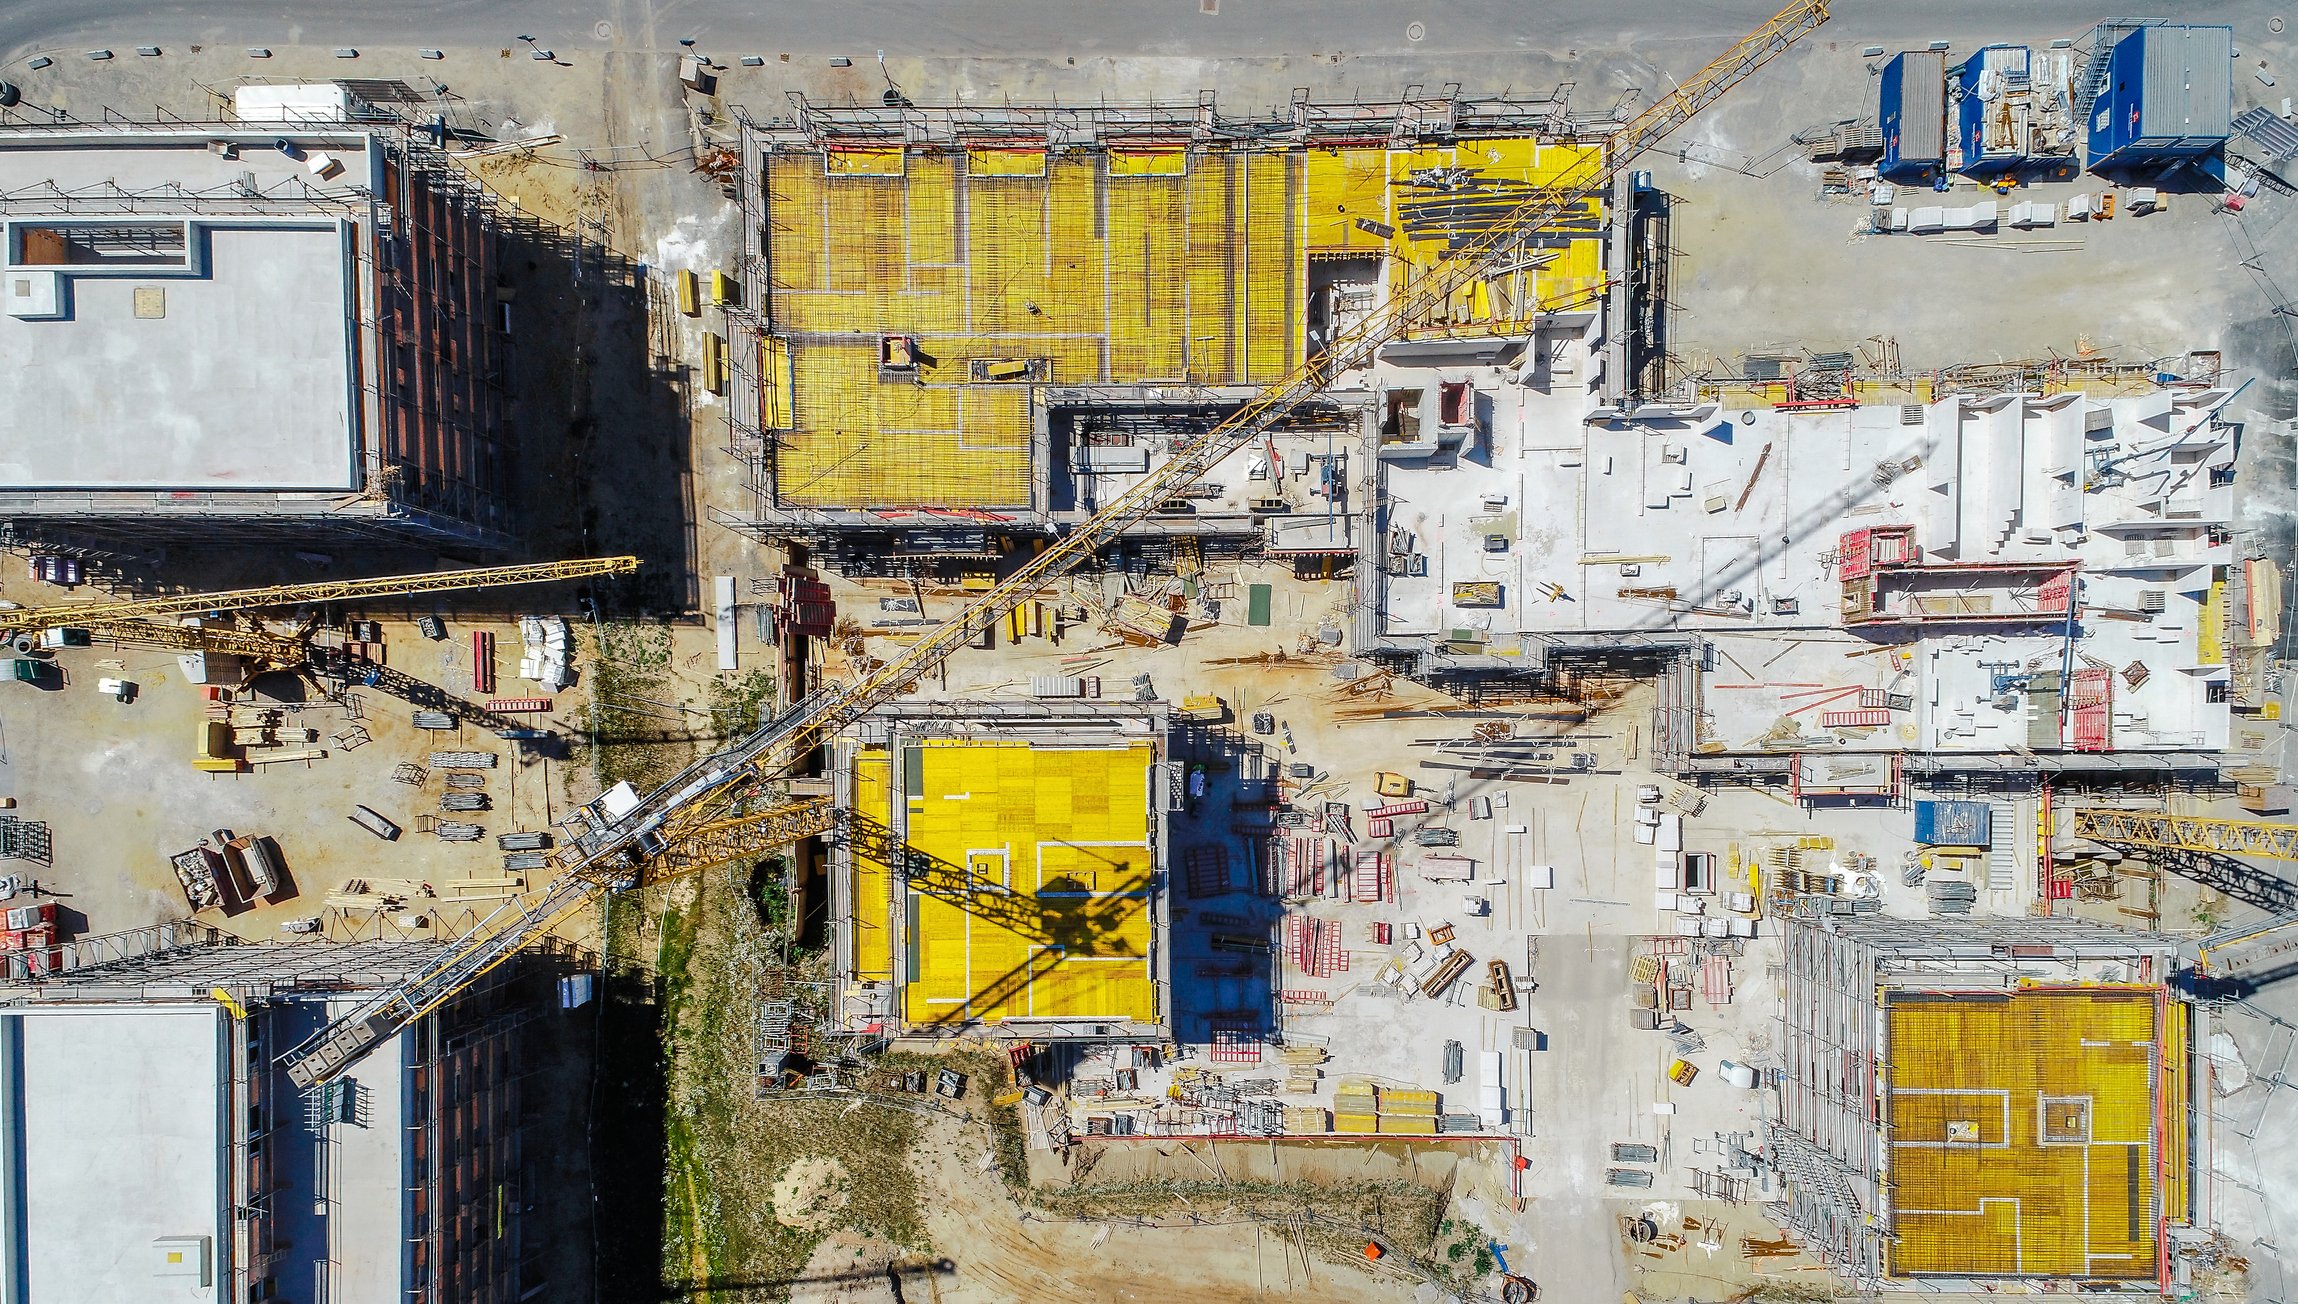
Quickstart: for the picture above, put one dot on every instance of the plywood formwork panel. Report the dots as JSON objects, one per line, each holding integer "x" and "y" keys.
{"x": 860, "y": 442}
{"x": 1082, "y": 949}
{"x": 2021, "y": 1133}
{"x": 1006, "y": 253}
{"x": 1154, "y": 274}
{"x": 933, "y": 214}
{"x": 1148, "y": 302}
{"x": 795, "y": 213}
{"x": 1218, "y": 236}
{"x": 1275, "y": 277}
{"x": 872, "y": 893}
{"x": 1343, "y": 187}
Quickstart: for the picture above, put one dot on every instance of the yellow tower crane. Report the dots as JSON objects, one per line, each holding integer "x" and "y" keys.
{"x": 155, "y": 622}
{"x": 698, "y": 798}
{"x": 90, "y": 614}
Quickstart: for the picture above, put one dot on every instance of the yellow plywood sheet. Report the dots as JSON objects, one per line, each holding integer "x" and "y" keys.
{"x": 774, "y": 410}
{"x": 1059, "y": 838}
{"x": 1346, "y": 186}
{"x": 1435, "y": 197}
{"x": 1148, "y": 163}
{"x": 860, "y": 443}
{"x": 873, "y": 881}
{"x": 864, "y": 162}
{"x": 2022, "y": 1135}
{"x": 1005, "y": 162}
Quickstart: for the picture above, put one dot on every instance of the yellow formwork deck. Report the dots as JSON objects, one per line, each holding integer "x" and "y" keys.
{"x": 872, "y": 892}
{"x": 2022, "y": 1134}
{"x": 1436, "y": 195}
{"x": 1155, "y": 267}
{"x": 1065, "y": 833}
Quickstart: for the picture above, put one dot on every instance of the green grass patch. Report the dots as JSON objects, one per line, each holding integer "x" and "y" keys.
{"x": 633, "y": 721}
{"x": 726, "y": 1148}
{"x": 735, "y": 701}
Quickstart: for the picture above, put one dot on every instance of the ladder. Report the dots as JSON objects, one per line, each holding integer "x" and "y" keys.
{"x": 2093, "y": 78}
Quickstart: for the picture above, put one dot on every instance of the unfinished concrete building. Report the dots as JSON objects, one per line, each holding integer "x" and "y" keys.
{"x": 2036, "y": 577}
{"x": 968, "y": 325}
{"x": 251, "y": 332}
{"x": 1969, "y": 1103}
{"x": 158, "y": 1152}
{"x": 1003, "y": 869}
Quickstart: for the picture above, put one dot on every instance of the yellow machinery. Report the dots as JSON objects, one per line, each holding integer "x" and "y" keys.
{"x": 271, "y": 651}
{"x": 698, "y": 799}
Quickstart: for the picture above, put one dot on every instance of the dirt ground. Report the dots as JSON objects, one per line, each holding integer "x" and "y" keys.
{"x": 1010, "y": 1254}
{"x": 1002, "y": 1252}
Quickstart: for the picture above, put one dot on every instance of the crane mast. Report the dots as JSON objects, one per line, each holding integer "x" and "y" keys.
{"x": 696, "y": 798}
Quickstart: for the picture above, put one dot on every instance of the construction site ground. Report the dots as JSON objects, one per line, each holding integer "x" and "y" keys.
{"x": 884, "y": 1197}
{"x": 629, "y": 457}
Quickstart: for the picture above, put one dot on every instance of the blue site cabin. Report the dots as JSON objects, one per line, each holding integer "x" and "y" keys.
{"x": 2168, "y": 98}
{"x": 1913, "y": 116}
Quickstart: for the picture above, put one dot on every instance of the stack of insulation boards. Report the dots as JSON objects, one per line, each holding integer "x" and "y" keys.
{"x": 543, "y": 651}
{"x": 1408, "y": 1113}
{"x": 1356, "y": 1107}
{"x": 1301, "y": 1077}
{"x": 1306, "y": 1120}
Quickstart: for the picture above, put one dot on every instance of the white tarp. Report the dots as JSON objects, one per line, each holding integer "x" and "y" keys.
{"x": 299, "y": 102}
{"x": 722, "y": 600}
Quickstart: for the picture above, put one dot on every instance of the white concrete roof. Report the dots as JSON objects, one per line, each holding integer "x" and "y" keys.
{"x": 243, "y": 382}
{"x": 238, "y": 372}
{"x": 368, "y": 1178}
{"x": 1729, "y": 523}
{"x": 120, "y": 1117}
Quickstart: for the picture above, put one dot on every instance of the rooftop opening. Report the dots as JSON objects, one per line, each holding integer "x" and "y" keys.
{"x": 107, "y": 244}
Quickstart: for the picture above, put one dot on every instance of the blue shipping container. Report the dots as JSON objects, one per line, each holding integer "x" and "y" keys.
{"x": 1953, "y": 823}
{"x": 1913, "y": 116}
{"x": 2168, "y": 97}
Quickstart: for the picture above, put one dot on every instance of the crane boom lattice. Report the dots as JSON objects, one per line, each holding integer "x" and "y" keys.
{"x": 2189, "y": 833}
{"x": 275, "y": 650}
{"x": 724, "y": 841}
{"x": 289, "y": 595}
{"x": 690, "y": 802}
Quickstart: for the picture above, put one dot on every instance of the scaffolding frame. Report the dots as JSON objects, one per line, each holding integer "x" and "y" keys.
{"x": 1830, "y": 1137}
{"x": 1412, "y": 118}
